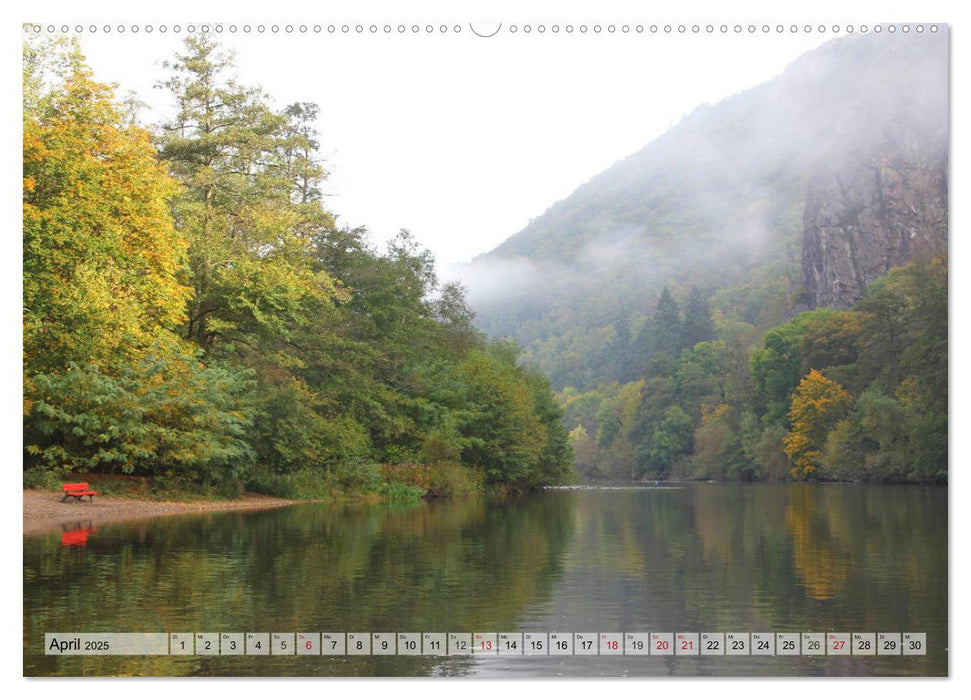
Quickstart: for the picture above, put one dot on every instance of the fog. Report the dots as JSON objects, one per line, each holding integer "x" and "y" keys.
{"x": 718, "y": 196}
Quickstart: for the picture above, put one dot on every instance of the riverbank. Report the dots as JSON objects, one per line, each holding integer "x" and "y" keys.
{"x": 45, "y": 512}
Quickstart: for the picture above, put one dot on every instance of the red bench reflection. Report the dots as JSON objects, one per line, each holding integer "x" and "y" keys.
{"x": 77, "y": 536}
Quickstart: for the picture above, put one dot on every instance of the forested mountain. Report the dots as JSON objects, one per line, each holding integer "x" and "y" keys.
{"x": 718, "y": 202}
{"x": 762, "y": 291}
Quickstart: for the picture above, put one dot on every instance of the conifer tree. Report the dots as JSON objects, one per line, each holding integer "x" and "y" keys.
{"x": 697, "y": 320}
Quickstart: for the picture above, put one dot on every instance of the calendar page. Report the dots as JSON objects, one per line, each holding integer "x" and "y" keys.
{"x": 542, "y": 346}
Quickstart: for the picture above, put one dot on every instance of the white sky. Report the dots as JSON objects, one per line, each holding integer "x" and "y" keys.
{"x": 462, "y": 140}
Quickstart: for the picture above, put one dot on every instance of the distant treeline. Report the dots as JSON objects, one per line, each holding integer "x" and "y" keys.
{"x": 193, "y": 313}
{"x": 832, "y": 395}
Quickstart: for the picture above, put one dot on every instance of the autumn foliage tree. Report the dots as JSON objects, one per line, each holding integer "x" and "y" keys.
{"x": 103, "y": 262}
{"x": 108, "y": 383}
{"x": 817, "y": 406}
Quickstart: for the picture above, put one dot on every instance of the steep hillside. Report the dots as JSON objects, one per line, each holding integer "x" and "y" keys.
{"x": 871, "y": 214}
{"x": 720, "y": 202}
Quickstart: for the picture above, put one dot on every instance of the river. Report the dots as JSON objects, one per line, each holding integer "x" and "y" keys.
{"x": 697, "y": 558}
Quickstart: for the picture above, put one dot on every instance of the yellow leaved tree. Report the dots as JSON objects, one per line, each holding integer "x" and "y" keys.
{"x": 103, "y": 262}
{"x": 818, "y": 404}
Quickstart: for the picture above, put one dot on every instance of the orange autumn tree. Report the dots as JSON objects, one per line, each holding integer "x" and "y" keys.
{"x": 818, "y": 404}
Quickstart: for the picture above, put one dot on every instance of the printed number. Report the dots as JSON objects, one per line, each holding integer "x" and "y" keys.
{"x": 613, "y": 646}
{"x": 762, "y": 646}
{"x": 738, "y": 645}
{"x": 838, "y": 645}
{"x": 259, "y": 645}
{"x": 283, "y": 644}
{"x": 333, "y": 644}
{"x": 410, "y": 646}
{"x": 637, "y": 644}
{"x": 310, "y": 645}
{"x": 865, "y": 644}
{"x": 586, "y": 644}
{"x": 384, "y": 646}
{"x": 486, "y": 644}
{"x": 463, "y": 645}
{"x": 663, "y": 645}
{"x": 813, "y": 645}
{"x": 887, "y": 644}
{"x": 208, "y": 646}
{"x": 232, "y": 645}
{"x": 712, "y": 644}
{"x": 538, "y": 644}
{"x": 182, "y": 644}
{"x": 562, "y": 645}
{"x": 435, "y": 645}
{"x": 685, "y": 645}
{"x": 510, "y": 645}
{"x": 360, "y": 645}
{"x": 788, "y": 645}
{"x": 914, "y": 644}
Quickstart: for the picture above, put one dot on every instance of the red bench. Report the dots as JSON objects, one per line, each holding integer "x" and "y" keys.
{"x": 77, "y": 491}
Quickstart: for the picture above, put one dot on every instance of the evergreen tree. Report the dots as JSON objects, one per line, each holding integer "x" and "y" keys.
{"x": 697, "y": 320}
{"x": 250, "y": 206}
{"x": 664, "y": 330}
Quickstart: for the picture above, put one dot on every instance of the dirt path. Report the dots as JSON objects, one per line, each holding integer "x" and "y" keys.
{"x": 44, "y": 511}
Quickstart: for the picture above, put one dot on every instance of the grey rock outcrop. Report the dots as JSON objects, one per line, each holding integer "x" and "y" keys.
{"x": 870, "y": 213}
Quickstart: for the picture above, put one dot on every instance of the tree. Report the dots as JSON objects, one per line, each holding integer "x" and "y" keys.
{"x": 505, "y": 437}
{"x": 697, "y": 325}
{"x": 817, "y": 406}
{"x": 108, "y": 385}
{"x": 608, "y": 426}
{"x": 717, "y": 446}
{"x": 102, "y": 260}
{"x": 250, "y": 207}
{"x": 585, "y": 452}
{"x": 664, "y": 328}
{"x": 777, "y": 365}
{"x": 671, "y": 440}
{"x": 662, "y": 333}
{"x": 165, "y": 415}
{"x": 831, "y": 340}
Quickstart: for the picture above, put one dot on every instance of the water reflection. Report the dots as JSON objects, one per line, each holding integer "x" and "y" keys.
{"x": 703, "y": 558}
{"x": 77, "y": 535}
{"x": 819, "y": 548}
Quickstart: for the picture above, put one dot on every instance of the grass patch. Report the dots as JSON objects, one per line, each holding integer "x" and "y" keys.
{"x": 396, "y": 492}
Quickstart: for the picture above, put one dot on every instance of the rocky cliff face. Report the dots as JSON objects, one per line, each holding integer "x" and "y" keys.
{"x": 871, "y": 213}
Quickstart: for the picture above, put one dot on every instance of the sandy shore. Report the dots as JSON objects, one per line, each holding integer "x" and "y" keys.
{"x": 45, "y": 512}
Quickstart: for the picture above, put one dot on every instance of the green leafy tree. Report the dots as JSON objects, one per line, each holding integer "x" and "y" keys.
{"x": 166, "y": 415}
{"x": 504, "y": 436}
{"x": 250, "y": 206}
{"x": 671, "y": 440}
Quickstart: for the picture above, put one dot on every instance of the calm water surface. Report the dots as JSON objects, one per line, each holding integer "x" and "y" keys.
{"x": 702, "y": 557}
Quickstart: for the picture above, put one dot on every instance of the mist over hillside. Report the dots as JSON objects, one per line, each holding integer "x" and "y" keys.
{"x": 715, "y": 203}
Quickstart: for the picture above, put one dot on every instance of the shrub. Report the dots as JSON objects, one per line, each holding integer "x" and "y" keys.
{"x": 449, "y": 479}
{"x": 401, "y": 493}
